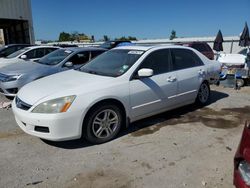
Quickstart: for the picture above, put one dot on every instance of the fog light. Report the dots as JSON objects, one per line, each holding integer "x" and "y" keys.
{"x": 244, "y": 169}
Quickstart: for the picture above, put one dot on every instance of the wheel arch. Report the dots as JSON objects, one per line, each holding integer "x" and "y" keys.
{"x": 113, "y": 101}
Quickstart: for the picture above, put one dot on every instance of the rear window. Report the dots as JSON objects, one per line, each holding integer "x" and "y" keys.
{"x": 183, "y": 59}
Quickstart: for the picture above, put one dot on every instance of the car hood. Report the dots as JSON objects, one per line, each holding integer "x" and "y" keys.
{"x": 66, "y": 83}
{"x": 5, "y": 62}
{"x": 22, "y": 68}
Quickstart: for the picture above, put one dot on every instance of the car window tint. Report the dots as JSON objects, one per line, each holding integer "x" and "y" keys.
{"x": 183, "y": 58}
{"x": 30, "y": 54}
{"x": 39, "y": 53}
{"x": 243, "y": 52}
{"x": 96, "y": 53}
{"x": 36, "y": 53}
{"x": 158, "y": 61}
{"x": 49, "y": 50}
{"x": 80, "y": 58}
{"x": 9, "y": 50}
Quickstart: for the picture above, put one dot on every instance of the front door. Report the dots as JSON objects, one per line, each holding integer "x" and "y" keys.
{"x": 153, "y": 94}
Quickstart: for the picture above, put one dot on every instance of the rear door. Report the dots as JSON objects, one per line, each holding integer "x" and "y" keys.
{"x": 152, "y": 94}
{"x": 190, "y": 73}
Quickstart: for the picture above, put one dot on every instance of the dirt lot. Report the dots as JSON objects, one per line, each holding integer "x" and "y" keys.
{"x": 187, "y": 147}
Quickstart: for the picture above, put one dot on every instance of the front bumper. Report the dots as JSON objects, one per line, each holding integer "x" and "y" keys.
{"x": 10, "y": 88}
{"x": 54, "y": 127}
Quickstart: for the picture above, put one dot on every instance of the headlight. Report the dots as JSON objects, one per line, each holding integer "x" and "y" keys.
{"x": 10, "y": 78}
{"x": 55, "y": 106}
{"x": 244, "y": 169}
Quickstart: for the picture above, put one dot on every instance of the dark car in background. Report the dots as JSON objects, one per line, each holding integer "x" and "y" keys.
{"x": 65, "y": 45}
{"x": 11, "y": 48}
{"x": 202, "y": 47}
{"x": 113, "y": 44}
{"x": 242, "y": 160}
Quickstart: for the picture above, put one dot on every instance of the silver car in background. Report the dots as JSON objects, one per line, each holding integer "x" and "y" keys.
{"x": 32, "y": 53}
{"x": 14, "y": 76}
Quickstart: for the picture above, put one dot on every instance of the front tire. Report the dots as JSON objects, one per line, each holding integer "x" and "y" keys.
{"x": 203, "y": 94}
{"x": 103, "y": 123}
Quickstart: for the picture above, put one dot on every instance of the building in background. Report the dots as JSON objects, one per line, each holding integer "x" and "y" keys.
{"x": 1, "y": 37}
{"x": 16, "y": 21}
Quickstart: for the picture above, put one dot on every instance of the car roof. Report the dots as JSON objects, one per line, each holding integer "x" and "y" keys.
{"x": 34, "y": 47}
{"x": 77, "y": 49}
{"x": 146, "y": 48}
{"x": 10, "y": 45}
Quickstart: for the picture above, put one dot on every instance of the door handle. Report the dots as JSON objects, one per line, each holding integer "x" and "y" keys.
{"x": 171, "y": 79}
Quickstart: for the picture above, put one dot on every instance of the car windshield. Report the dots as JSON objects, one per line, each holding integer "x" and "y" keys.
{"x": 243, "y": 52}
{"x": 17, "y": 53}
{"x": 112, "y": 63}
{"x": 55, "y": 57}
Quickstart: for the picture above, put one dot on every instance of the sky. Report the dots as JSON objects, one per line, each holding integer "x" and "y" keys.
{"x": 144, "y": 19}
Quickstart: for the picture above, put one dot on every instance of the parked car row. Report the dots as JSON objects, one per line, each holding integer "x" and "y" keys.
{"x": 32, "y": 53}
{"x": 9, "y": 49}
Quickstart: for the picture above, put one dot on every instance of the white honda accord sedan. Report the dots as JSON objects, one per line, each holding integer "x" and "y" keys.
{"x": 120, "y": 86}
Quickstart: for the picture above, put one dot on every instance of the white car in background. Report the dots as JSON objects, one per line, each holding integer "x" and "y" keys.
{"x": 236, "y": 60}
{"x": 32, "y": 53}
{"x": 120, "y": 86}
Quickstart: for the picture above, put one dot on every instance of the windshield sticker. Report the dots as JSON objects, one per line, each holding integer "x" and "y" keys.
{"x": 124, "y": 67}
{"x": 135, "y": 52}
{"x": 67, "y": 51}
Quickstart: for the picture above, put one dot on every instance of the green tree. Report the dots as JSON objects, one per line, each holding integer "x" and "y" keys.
{"x": 132, "y": 38}
{"x": 126, "y": 38}
{"x": 173, "y": 35}
{"x": 63, "y": 36}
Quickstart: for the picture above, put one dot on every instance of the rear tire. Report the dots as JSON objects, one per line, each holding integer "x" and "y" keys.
{"x": 102, "y": 124}
{"x": 203, "y": 94}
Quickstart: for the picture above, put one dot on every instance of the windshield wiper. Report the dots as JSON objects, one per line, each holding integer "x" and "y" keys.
{"x": 91, "y": 72}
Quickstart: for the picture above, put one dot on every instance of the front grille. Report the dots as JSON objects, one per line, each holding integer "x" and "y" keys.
{"x": 12, "y": 90}
{"x": 22, "y": 105}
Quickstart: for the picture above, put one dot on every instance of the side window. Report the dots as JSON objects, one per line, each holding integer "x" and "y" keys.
{"x": 49, "y": 50}
{"x": 183, "y": 58}
{"x": 80, "y": 58}
{"x": 36, "y": 53}
{"x": 10, "y": 50}
{"x": 96, "y": 53}
{"x": 19, "y": 47}
{"x": 39, "y": 52}
{"x": 159, "y": 61}
{"x": 30, "y": 54}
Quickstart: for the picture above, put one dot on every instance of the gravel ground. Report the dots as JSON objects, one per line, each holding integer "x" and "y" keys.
{"x": 187, "y": 147}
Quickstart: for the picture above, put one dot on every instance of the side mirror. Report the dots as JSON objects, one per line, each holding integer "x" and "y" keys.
{"x": 23, "y": 57}
{"x": 68, "y": 64}
{"x": 143, "y": 73}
